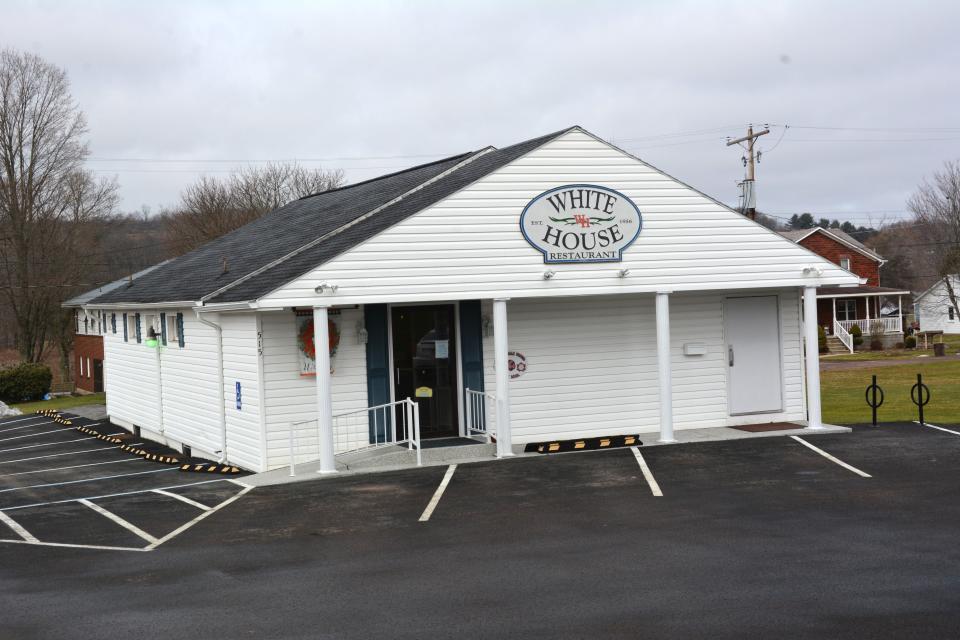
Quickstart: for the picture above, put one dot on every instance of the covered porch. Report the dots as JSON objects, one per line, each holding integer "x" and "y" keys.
{"x": 873, "y": 310}
{"x": 617, "y": 364}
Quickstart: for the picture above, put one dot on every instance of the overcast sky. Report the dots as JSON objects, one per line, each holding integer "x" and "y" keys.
{"x": 869, "y": 89}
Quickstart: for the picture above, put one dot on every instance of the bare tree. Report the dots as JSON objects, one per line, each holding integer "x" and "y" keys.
{"x": 936, "y": 206}
{"x": 212, "y": 207}
{"x": 46, "y": 197}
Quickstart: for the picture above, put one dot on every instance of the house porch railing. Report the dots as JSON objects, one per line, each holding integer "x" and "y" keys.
{"x": 845, "y": 337}
{"x": 890, "y": 325}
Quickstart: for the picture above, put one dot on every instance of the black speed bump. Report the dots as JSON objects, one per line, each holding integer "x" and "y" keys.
{"x": 583, "y": 444}
{"x": 209, "y": 467}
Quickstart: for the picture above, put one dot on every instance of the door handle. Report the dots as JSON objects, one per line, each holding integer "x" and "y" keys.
{"x": 730, "y": 353}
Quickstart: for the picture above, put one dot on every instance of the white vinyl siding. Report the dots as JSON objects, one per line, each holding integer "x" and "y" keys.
{"x": 592, "y": 367}
{"x": 244, "y": 440}
{"x": 290, "y": 397}
{"x": 189, "y": 386}
{"x": 933, "y": 309}
{"x": 469, "y": 245}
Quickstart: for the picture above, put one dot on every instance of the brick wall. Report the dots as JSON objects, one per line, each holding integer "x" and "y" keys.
{"x": 89, "y": 348}
{"x": 833, "y": 251}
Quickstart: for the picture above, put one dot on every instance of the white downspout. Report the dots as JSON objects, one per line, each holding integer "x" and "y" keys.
{"x": 223, "y": 411}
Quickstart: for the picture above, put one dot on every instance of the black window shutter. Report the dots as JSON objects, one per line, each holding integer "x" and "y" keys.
{"x": 125, "y": 336}
{"x": 113, "y": 322}
{"x": 136, "y": 318}
{"x": 163, "y": 329}
{"x": 180, "y": 329}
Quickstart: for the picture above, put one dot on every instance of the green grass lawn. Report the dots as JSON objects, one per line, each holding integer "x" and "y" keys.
{"x": 63, "y": 402}
{"x": 844, "y": 401}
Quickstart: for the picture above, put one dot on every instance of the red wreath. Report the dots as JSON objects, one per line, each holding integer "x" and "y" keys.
{"x": 306, "y": 338}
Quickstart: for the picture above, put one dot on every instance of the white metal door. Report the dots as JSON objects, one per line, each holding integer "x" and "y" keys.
{"x": 752, "y": 330}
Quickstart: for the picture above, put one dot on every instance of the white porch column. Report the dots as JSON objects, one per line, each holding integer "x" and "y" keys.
{"x": 900, "y": 313}
{"x": 663, "y": 367}
{"x": 834, "y": 316}
{"x": 502, "y": 369}
{"x": 321, "y": 344}
{"x": 812, "y": 358}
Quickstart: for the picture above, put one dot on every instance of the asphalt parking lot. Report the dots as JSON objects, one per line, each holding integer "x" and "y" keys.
{"x": 63, "y": 487}
{"x": 767, "y": 537}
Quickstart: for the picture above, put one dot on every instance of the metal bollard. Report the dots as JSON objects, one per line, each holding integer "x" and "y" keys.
{"x": 917, "y": 392}
{"x": 871, "y": 397}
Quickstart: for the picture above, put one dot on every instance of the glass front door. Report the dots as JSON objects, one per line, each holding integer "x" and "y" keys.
{"x": 425, "y": 367}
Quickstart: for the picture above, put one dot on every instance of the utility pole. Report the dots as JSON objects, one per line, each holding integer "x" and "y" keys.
{"x": 749, "y": 195}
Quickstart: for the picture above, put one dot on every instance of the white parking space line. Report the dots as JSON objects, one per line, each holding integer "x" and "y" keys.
{"x": 182, "y": 499}
{"x": 74, "y": 466}
{"x": 68, "y": 453}
{"x": 111, "y": 495}
{"x": 129, "y": 526}
{"x": 831, "y": 458}
{"x": 57, "y": 444}
{"x": 20, "y": 531}
{"x": 933, "y": 426}
{"x": 75, "y": 546}
{"x": 37, "y": 435}
{"x": 654, "y": 487}
{"x": 60, "y": 484}
{"x": 24, "y": 419}
{"x": 26, "y": 426}
{"x": 173, "y": 534}
{"x": 438, "y": 494}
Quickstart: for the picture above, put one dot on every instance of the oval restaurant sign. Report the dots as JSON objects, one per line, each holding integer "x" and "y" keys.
{"x": 581, "y": 223}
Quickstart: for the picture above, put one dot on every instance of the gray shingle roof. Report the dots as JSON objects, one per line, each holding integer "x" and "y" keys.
{"x": 84, "y": 298}
{"x": 297, "y": 237}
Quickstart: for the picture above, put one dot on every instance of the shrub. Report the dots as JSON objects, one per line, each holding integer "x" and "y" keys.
{"x": 822, "y": 339}
{"x": 910, "y": 342}
{"x": 876, "y": 331}
{"x": 857, "y": 334}
{"x": 876, "y": 345}
{"x": 899, "y": 345}
{"x": 25, "y": 381}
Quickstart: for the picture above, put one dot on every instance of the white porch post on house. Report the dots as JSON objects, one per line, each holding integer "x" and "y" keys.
{"x": 900, "y": 313}
{"x": 834, "y": 316}
{"x": 321, "y": 344}
{"x": 502, "y": 368}
{"x": 814, "y": 420}
{"x": 663, "y": 366}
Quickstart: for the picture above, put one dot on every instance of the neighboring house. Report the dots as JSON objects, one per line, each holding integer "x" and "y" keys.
{"x": 89, "y": 329}
{"x": 840, "y": 308}
{"x": 935, "y": 311}
{"x": 553, "y": 289}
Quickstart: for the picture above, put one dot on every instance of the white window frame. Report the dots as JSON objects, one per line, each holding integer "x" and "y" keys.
{"x": 173, "y": 337}
{"x": 845, "y": 305}
{"x": 845, "y": 263}
{"x": 131, "y": 327}
{"x": 81, "y": 365}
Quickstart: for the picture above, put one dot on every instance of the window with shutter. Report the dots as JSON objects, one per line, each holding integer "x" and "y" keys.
{"x": 180, "y": 339}
{"x": 126, "y": 337}
{"x": 136, "y": 321}
{"x": 163, "y": 329}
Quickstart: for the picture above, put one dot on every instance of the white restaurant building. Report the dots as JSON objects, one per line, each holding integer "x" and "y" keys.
{"x": 574, "y": 289}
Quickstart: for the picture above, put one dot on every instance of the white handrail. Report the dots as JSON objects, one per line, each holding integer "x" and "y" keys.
{"x": 845, "y": 337}
{"x": 351, "y": 431}
{"x": 477, "y": 410}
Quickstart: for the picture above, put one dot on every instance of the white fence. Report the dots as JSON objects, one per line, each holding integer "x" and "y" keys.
{"x": 890, "y": 325}
{"x": 394, "y": 424}
{"x": 479, "y": 405}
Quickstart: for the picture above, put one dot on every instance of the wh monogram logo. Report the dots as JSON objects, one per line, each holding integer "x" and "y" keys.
{"x": 581, "y": 223}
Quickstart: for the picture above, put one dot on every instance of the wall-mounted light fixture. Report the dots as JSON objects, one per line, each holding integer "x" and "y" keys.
{"x": 362, "y": 335}
{"x": 548, "y": 274}
{"x": 813, "y": 271}
{"x": 623, "y": 273}
{"x": 324, "y": 286}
